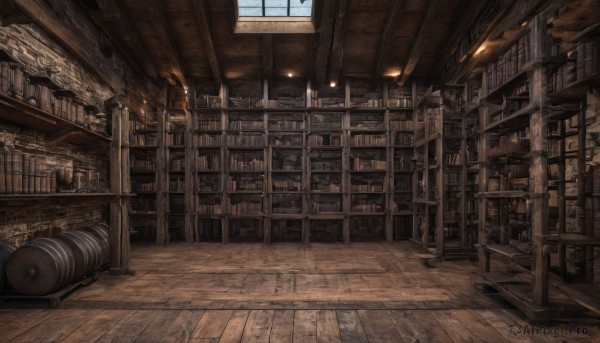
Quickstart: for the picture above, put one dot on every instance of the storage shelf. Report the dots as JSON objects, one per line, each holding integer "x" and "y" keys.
{"x": 496, "y": 94}
{"x": 514, "y": 120}
{"x": 58, "y": 196}
{"x": 37, "y": 119}
{"x": 503, "y": 194}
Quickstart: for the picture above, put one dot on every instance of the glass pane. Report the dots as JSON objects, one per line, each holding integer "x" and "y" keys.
{"x": 250, "y": 3}
{"x": 250, "y": 12}
{"x": 276, "y": 3}
{"x": 276, "y": 11}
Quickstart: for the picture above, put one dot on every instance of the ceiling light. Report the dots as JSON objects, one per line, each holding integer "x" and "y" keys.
{"x": 332, "y": 84}
{"x": 290, "y": 74}
{"x": 480, "y": 50}
{"x": 144, "y": 101}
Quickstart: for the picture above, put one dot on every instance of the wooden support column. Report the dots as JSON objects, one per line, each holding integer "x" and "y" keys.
{"x": 346, "y": 206}
{"x": 119, "y": 184}
{"x": 389, "y": 182}
{"x": 225, "y": 232}
{"x": 538, "y": 170}
{"x": 415, "y": 181}
{"x": 463, "y": 179}
{"x": 162, "y": 182}
{"x": 562, "y": 204}
{"x": 482, "y": 211}
{"x": 190, "y": 175}
{"x": 306, "y": 171}
{"x": 440, "y": 194}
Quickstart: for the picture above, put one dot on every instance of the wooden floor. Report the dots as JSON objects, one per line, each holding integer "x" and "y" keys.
{"x": 361, "y": 292}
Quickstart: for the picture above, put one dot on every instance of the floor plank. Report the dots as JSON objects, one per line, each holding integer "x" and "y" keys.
{"x": 305, "y": 326}
{"x": 283, "y": 326}
{"x": 97, "y": 326}
{"x": 378, "y": 326}
{"x": 235, "y": 327}
{"x": 155, "y": 330}
{"x": 258, "y": 326}
{"x": 130, "y": 327}
{"x": 328, "y": 330}
{"x": 211, "y": 325}
{"x": 183, "y": 326}
{"x": 351, "y": 329}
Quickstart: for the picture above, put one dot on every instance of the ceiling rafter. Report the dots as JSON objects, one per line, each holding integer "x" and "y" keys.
{"x": 464, "y": 19}
{"x": 419, "y": 43}
{"x": 325, "y": 35}
{"x": 209, "y": 48}
{"x": 156, "y": 14}
{"x": 337, "y": 47}
{"x": 111, "y": 17}
{"x": 387, "y": 39}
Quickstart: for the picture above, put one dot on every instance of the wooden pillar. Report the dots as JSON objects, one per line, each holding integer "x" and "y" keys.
{"x": 389, "y": 182}
{"x": 162, "y": 182}
{"x": 440, "y": 185}
{"x": 464, "y": 179}
{"x": 415, "y": 180}
{"x": 482, "y": 211}
{"x": 538, "y": 170}
{"x": 190, "y": 160}
{"x": 346, "y": 206}
{"x": 225, "y": 164}
{"x": 120, "y": 186}
{"x": 562, "y": 204}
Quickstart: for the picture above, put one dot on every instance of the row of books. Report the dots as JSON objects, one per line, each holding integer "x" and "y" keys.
{"x": 286, "y": 185}
{"x": 143, "y": 139}
{"x": 402, "y": 125}
{"x": 366, "y": 165}
{"x": 286, "y": 125}
{"x": 208, "y": 162}
{"x": 146, "y": 186}
{"x": 208, "y": 125}
{"x": 45, "y": 94}
{"x": 581, "y": 64}
{"x": 245, "y": 184}
{"x": 379, "y": 139}
{"x": 26, "y": 174}
{"x": 333, "y": 139}
{"x": 367, "y": 188}
{"x": 335, "y": 165}
{"x": 177, "y": 165}
{"x": 143, "y": 166}
{"x": 253, "y": 164}
{"x": 510, "y": 64}
{"x": 177, "y": 185}
{"x": 206, "y": 139}
{"x": 175, "y": 138}
{"x": 256, "y": 124}
{"x": 246, "y": 140}
{"x": 286, "y": 140}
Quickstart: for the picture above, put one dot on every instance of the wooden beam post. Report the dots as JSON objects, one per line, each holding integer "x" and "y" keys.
{"x": 156, "y": 14}
{"x": 162, "y": 182}
{"x": 419, "y": 43}
{"x": 190, "y": 175}
{"x": 337, "y": 48}
{"x": 324, "y": 47}
{"x": 386, "y": 40}
{"x": 202, "y": 17}
{"x": 267, "y": 61}
{"x": 482, "y": 208}
{"x": 538, "y": 170}
{"x": 116, "y": 186}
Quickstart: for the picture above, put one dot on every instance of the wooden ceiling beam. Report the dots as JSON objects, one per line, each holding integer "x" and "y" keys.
{"x": 419, "y": 43}
{"x": 463, "y": 21}
{"x": 324, "y": 44}
{"x": 386, "y": 41}
{"x": 267, "y": 58}
{"x": 156, "y": 14}
{"x": 201, "y": 14}
{"x": 337, "y": 47}
{"x": 112, "y": 19}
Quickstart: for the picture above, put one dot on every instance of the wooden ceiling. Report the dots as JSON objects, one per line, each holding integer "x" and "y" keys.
{"x": 368, "y": 39}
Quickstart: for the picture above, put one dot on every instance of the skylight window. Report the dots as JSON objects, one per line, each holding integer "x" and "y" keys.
{"x": 274, "y": 8}
{"x": 274, "y": 16}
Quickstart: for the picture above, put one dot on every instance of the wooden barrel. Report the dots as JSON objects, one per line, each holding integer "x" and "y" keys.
{"x": 41, "y": 267}
{"x": 87, "y": 252}
{"x": 5, "y": 252}
{"x": 101, "y": 232}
